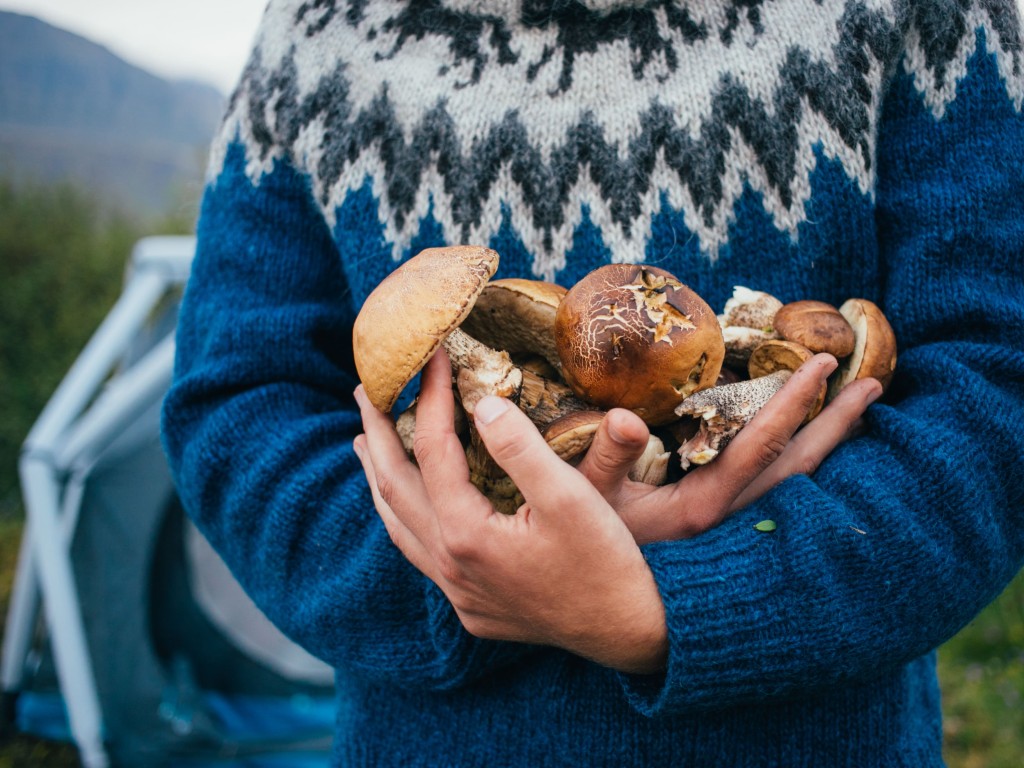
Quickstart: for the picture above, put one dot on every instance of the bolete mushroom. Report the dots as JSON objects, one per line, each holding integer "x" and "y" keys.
{"x": 633, "y": 336}
{"x": 412, "y": 312}
{"x": 723, "y": 411}
{"x": 781, "y": 355}
{"x": 816, "y": 325}
{"x": 874, "y": 351}
{"x": 419, "y": 308}
{"x": 517, "y": 316}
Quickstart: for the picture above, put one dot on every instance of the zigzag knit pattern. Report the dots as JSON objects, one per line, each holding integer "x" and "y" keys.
{"x": 611, "y": 108}
{"x": 824, "y": 150}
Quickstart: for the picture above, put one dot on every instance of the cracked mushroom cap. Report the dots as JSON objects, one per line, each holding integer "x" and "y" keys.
{"x": 406, "y": 317}
{"x": 635, "y": 337}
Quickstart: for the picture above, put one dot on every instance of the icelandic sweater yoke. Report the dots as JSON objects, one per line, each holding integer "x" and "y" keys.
{"x": 535, "y": 115}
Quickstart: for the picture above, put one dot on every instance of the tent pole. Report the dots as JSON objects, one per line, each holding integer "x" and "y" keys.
{"x": 21, "y": 619}
{"x": 61, "y": 608}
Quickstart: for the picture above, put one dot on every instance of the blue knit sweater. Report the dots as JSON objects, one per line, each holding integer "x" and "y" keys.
{"x": 821, "y": 150}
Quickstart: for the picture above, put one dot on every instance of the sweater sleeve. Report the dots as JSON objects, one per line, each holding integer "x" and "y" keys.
{"x": 258, "y": 427}
{"x": 905, "y": 533}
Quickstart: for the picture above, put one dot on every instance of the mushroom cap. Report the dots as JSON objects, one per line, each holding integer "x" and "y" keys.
{"x": 747, "y": 308}
{"x": 570, "y": 436}
{"x": 406, "y": 317}
{"x": 518, "y": 316}
{"x": 780, "y": 355}
{"x": 633, "y": 336}
{"x": 817, "y": 325}
{"x": 874, "y": 352}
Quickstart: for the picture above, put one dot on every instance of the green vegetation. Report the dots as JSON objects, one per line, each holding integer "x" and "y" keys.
{"x": 982, "y": 676}
{"x": 63, "y": 255}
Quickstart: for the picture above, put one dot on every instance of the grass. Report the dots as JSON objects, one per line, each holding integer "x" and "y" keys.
{"x": 981, "y": 671}
{"x": 982, "y": 676}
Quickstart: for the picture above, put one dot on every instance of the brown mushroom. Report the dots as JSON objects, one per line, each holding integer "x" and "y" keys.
{"x": 635, "y": 337}
{"x": 408, "y": 316}
{"x": 723, "y": 411}
{"x": 874, "y": 351}
{"x": 417, "y": 309}
{"x": 817, "y": 325}
{"x": 780, "y": 355}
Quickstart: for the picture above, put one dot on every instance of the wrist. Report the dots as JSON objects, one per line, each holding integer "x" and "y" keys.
{"x": 632, "y": 636}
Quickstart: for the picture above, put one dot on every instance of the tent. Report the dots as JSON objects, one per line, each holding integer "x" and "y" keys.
{"x": 126, "y": 633}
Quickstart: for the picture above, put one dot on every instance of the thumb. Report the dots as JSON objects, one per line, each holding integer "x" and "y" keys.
{"x": 620, "y": 440}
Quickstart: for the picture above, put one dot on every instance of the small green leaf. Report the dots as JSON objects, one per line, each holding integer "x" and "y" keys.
{"x": 766, "y": 525}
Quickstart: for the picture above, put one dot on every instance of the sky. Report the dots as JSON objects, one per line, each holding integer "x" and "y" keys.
{"x": 206, "y": 40}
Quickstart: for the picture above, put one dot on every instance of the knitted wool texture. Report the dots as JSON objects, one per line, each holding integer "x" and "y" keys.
{"x": 814, "y": 150}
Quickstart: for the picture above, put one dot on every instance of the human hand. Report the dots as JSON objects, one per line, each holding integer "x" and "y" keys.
{"x": 764, "y": 453}
{"x": 564, "y": 571}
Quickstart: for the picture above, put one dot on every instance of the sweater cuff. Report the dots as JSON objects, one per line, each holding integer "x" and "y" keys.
{"x": 722, "y": 629}
{"x": 462, "y": 657}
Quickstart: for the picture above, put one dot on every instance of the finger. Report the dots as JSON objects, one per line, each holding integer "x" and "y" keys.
{"x": 765, "y": 438}
{"x": 518, "y": 448}
{"x": 399, "y": 533}
{"x": 439, "y": 452}
{"x": 620, "y": 440}
{"x": 396, "y": 480}
{"x": 836, "y": 423}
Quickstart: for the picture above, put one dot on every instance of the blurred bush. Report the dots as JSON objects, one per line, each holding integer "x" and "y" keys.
{"x": 62, "y": 254}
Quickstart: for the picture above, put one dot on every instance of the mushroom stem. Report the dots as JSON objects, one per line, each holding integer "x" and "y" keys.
{"x": 481, "y": 370}
{"x": 489, "y": 478}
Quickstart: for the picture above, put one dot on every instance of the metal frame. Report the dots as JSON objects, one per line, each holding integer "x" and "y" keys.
{"x": 96, "y": 400}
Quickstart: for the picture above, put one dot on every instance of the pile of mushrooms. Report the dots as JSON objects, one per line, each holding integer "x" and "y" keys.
{"x": 765, "y": 342}
{"x": 629, "y": 336}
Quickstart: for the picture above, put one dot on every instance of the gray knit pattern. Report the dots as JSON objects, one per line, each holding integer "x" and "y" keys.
{"x": 479, "y": 112}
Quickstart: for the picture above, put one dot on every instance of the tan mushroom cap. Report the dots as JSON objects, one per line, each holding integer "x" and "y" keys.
{"x": 517, "y": 315}
{"x": 406, "y": 317}
{"x": 874, "y": 352}
{"x": 570, "y": 436}
{"x": 780, "y": 355}
{"x": 633, "y": 336}
{"x": 817, "y": 325}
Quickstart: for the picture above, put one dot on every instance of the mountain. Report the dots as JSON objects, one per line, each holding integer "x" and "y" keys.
{"x": 70, "y": 109}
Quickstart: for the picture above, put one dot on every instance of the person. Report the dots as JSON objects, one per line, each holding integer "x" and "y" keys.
{"x": 811, "y": 150}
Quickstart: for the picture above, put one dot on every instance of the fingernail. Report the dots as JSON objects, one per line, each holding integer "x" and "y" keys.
{"x": 358, "y": 448}
{"x": 489, "y": 408}
{"x": 615, "y": 434}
